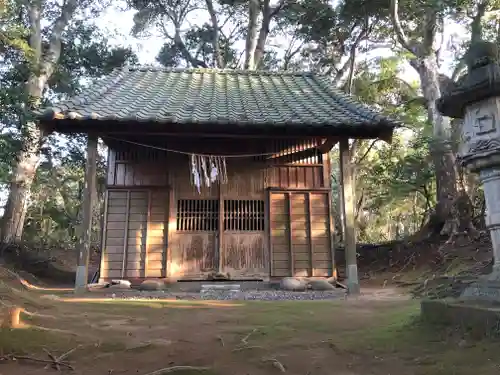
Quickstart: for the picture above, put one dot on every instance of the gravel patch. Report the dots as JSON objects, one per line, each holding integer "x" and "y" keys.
{"x": 256, "y": 295}
{"x": 272, "y": 295}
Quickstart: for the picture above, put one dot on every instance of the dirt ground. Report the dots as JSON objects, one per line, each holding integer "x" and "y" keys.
{"x": 376, "y": 334}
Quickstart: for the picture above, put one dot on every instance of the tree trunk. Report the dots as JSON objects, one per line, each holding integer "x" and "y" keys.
{"x": 441, "y": 151}
{"x": 251, "y": 37}
{"x": 28, "y": 160}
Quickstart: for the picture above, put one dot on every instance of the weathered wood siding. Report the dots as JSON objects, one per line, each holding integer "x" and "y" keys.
{"x": 242, "y": 245}
{"x": 134, "y": 241}
{"x": 173, "y": 230}
{"x": 300, "y": 234}
{"x": 136, "y": 167}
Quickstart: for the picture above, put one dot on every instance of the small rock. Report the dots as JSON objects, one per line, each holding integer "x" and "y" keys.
{"x": 97, "y": 286}
{"x": 152, "y": 284}
{"x": 293, "y": 284}
{"x": 332, "y": 280}
{"x": 122, "y": 282}
{"x": 320, "y": 284}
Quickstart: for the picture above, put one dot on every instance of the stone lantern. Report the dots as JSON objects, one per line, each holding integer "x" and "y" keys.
{"x": 476, "y": 100}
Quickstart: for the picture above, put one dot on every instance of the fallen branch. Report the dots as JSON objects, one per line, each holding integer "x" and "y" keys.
{"x": 275, "y": 363}
{"x": 168, "y": 370}
{"x": 239, "y": 349}
{"x": 49, "y": 361}
{"x": 57, "y": 361}
{"x": 244, "y": 340}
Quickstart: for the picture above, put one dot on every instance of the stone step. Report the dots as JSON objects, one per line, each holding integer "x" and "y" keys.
{"x": 220, "y": 287}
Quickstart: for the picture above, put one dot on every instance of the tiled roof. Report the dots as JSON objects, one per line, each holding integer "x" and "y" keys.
{"x": 206, "y": 96}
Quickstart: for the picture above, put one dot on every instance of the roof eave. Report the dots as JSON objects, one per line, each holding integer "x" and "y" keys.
{"x": 383, "y": 129}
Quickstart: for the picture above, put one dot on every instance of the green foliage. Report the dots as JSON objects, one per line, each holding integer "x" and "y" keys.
{"x": 54, "y": 209}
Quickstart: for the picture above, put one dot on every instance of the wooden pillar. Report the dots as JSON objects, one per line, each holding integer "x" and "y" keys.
{"x": 327, "y": 183}
{"x": 348, "y": 191}
{"x": 82, "y": 270}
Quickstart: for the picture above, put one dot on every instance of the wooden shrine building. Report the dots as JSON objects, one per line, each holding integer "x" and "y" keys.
{"x": 265, "y": 211}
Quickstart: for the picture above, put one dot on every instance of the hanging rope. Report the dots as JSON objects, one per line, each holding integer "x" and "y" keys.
{"x": 191, "y": 153}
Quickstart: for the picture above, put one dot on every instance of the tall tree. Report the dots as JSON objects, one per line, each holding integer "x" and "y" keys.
{"x": 42, "y": 72}
{"x": 423, "y": 42}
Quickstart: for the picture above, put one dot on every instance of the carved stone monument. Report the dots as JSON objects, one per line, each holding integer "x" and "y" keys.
{"x": 476, "y": 99}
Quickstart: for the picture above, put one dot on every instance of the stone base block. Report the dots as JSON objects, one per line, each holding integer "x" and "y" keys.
{"x": 480, "y": 320}
{"x": 485, "y": 289}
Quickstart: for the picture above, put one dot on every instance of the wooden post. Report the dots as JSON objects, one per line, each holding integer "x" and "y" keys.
{"x": 290, "y": 234}
{"x": 348, "y": 192}
{"x": 220, "y": 232}
{"x": 327, "y": 180}
{"x": 82, "y": 270}
{"x": 104, "y": 235}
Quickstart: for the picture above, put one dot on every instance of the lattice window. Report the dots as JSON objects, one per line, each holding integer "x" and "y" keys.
{"x": 197, "y": 215}
{"x": 244, "y": 215}
{"x": 290, "y": 151}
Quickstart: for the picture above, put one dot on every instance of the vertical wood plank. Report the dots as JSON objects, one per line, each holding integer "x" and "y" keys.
{"x": 331, "y": 234}
{"x": 290, "y": 238}
{"x": 348, "y": 209}
{"x": 148, "y": 232}
{"x": 82, "y": 272}
{"x": 125, "y": 235}
{"x": 172, "y": 228}
{"x": 219, "y": 243}
{"x": 104, "y": 235}
{"x": 327, "y": 182}
{"x": 309, "y": 233}
{"x": 326, "y": 169}
{"x": 267, "y": 230}
{"x": 111, "y": 168}
{"x": 167, "y": 238}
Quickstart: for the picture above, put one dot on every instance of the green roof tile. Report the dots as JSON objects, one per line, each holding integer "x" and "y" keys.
{"x": 207, "y": 96}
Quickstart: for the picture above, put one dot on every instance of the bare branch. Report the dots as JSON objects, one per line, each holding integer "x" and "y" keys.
{"x": 429, "y": 30}
{"x": 365, "y": 31}
{"x": 219, "y": 59}
{"x": 35, "y": 41}
{"x": 367, "y": 151}
{"x": 398, "y": 28}
{"x": 291, "y": 52}
{"x": 275, "y": 10}
{"x": 54, "y": 52}
{"x": 251, "y": 38}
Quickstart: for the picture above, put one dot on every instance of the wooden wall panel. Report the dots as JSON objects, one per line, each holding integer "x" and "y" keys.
{"x": 244, "y": 255}
{"x": 300, "y": 234}
{"x": 320, "y": 234}
{"x": 136, "y": 172}
{"x": 137, "y": 168}
{"x": 243, "y": 252}
{"x": 192, "y": 255}
{"x": 295, "y": 177}
{"x": 146, "y": 176}
{"x": 135, "y": 240}
{"x": 244, "y": 183}
{"x": 114, "y": 236}
{"x": 279, "y": 227}
{"x": 156, "y": 246}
